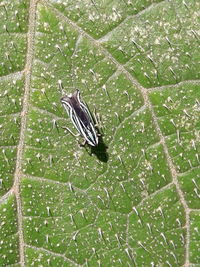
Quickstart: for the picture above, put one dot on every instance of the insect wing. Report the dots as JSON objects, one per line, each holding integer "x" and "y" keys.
{"x": 85, "y": 108}
{"x": 86, "y": 128}
{"x": 91, "y": 128}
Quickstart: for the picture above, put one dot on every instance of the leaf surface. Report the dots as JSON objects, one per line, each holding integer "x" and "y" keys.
{"x": 135, "y": 199}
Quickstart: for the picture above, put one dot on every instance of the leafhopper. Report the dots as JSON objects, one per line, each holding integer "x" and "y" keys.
{"x": 80, "y": 117}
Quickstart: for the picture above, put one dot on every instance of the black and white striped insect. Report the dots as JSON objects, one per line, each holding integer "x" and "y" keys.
{"x": 80, "y": 117}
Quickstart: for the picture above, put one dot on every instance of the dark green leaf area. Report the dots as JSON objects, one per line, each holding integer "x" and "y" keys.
{"x": 9, "y": 233}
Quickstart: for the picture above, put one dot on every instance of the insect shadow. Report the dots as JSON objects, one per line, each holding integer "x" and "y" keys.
{"x": 101, "y": 149}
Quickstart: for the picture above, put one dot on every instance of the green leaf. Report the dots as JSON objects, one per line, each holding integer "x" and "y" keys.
{"x": 134, "y": 200}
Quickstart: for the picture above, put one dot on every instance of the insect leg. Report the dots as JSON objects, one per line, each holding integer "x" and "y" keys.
{"x": 66, "y": 128}
{"x": 98, "y": 122}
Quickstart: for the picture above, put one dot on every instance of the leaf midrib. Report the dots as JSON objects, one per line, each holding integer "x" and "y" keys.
{"x": 25, "y": 104}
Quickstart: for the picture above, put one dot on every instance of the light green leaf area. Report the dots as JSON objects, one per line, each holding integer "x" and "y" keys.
{"x": 179, "y": 119}
{"x": 134, "y": 199}
{"x": 161, "y": 45}
{"x": 194, "y": 243}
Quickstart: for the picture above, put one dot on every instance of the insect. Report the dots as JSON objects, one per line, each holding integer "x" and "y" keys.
{"x": 80, "y": 117}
